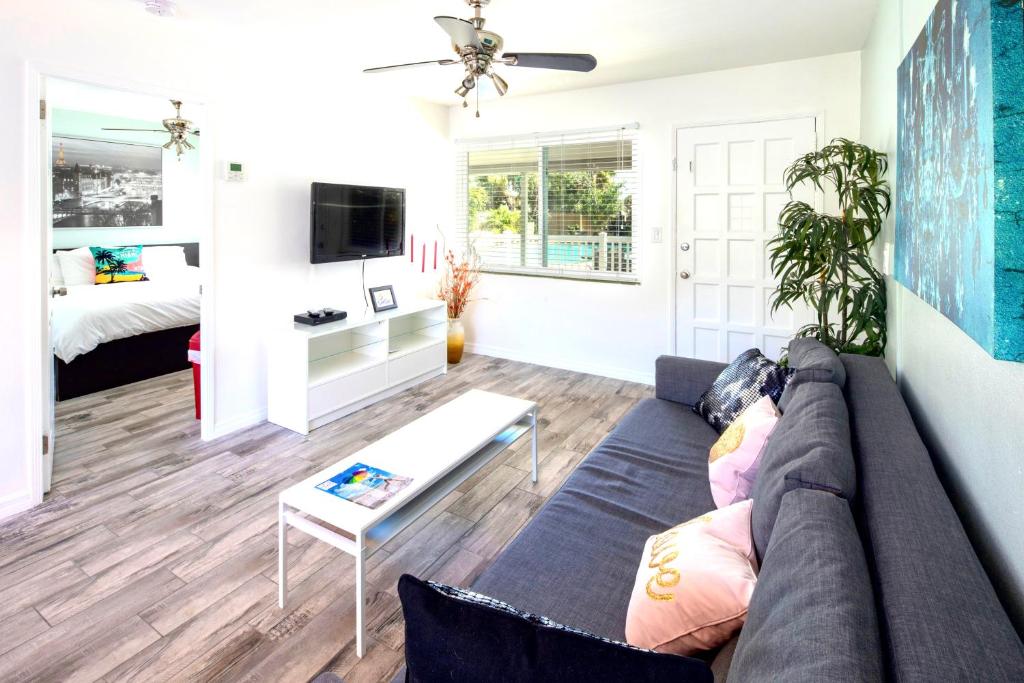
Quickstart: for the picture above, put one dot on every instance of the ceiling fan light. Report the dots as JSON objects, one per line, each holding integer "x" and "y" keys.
{"x": 462, "y": 90}
{"x": 499, "y": 84}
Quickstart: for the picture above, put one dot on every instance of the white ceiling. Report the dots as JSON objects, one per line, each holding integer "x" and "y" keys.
{"x": 635, "y": 40}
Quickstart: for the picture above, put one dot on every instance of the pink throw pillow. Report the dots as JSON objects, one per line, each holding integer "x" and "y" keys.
{"x": 694, "y": 583}
{"x": 735, "y": 457}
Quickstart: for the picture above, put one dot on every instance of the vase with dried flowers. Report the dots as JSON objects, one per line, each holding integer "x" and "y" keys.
{"x": 460, "y": 278}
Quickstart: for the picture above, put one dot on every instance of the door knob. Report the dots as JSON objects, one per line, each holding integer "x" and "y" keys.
{"x": 58, "y": 291}
{"x": 685, "y": 274}
{"x": 685, "y": 246}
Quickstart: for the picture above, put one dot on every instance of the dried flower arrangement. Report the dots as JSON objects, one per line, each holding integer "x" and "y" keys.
{"x": 458, "y": 282}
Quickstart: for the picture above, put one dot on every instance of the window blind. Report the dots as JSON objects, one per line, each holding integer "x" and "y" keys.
{"x": 552, "y": 204}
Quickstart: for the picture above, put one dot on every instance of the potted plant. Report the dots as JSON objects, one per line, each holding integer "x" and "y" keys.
{"x": 457, "y": 284}
{"x": 825, "y": 259}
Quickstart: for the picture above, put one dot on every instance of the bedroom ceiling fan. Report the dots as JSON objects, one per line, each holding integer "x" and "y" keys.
{"x": 477, "y": 50}
{"x": 178, "y": 127}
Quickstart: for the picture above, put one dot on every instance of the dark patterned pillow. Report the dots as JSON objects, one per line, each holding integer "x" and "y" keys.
{"x": 458, "y": 635}
{"x": 739, "y": 386}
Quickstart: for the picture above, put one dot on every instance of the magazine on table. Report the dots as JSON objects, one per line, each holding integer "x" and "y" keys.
{"x": 365, "y": 485}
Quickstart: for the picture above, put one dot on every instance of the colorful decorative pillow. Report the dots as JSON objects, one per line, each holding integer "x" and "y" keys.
{"x": 739, "y": 386}
{"x": 694, "y": 583}
{"x": 733, "y": 462}
{"x": 118, "y": 264}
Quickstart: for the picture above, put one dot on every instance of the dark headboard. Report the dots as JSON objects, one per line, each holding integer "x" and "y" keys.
{"x": 191, "y": 250}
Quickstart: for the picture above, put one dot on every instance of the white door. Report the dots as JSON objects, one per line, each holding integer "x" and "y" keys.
{"x": 729, "y": 192}
{"x": 46, "y": 211}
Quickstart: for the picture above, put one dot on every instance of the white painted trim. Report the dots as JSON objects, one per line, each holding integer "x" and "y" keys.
{"x": 819, "y": 129}
{"x": 35, "y": 73}
{"x": 624, "y": 374}
{"x": 250, "y": 419}
{"x": 14, "y": 504}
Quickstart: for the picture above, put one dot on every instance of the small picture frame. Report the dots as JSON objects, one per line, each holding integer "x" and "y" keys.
{"x": 383, "y": 298}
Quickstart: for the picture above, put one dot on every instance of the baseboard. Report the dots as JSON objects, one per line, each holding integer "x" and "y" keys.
{"x": 624, "y": 374}
{"x": 230, "y": 426}
{"x": 15, "y": 503}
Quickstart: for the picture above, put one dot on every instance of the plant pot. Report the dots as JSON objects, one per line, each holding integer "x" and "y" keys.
{"x": 456, "y": 340}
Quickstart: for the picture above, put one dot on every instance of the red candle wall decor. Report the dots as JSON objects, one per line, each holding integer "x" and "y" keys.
{"x": 435, "y": 254}
{"x": 412, "y": 247}
{"x": 423, "y": 261}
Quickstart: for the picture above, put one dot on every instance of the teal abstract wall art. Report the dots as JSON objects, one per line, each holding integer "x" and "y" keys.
{"x": 960, "y": 175}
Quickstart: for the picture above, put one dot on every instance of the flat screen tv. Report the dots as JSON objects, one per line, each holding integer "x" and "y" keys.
{"x": 353, "y": 222}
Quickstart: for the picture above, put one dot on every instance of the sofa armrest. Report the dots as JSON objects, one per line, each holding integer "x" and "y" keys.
{"x": 683, "y": 380}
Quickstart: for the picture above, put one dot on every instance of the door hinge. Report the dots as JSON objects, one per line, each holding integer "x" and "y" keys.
{"x": 46, "y": 444}
{"x": 675, "y": 164}
{"x": 691, "y": 166}
{"x": 42, "y": 110}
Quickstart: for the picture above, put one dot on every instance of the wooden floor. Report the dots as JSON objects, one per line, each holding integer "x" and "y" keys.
{"x": 153, "y": 558}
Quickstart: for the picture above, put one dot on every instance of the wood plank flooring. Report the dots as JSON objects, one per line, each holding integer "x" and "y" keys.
{"x": 154, "y": 557}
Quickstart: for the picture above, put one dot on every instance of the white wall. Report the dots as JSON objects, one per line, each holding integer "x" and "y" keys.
{"x": 281, "y": 102}
{"x": 614, "y": 329}
{"x": 969, "y": 408}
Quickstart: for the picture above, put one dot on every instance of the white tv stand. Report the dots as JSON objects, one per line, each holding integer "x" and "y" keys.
{"x": 317, "y": 374}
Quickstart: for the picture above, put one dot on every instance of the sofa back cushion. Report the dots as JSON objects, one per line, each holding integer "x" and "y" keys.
{"x": 940, "y": 617}
{"x": 457, "y": 635}
{"x": 812, "y": 615}
{"x": 807, "y": 353}
{"x": 810, "y": 448}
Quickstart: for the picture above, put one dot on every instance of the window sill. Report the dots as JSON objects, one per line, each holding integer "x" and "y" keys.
{"x": 611, "y": 278}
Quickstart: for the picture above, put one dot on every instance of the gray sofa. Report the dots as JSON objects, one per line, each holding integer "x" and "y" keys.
{"x": 866, "y": 572}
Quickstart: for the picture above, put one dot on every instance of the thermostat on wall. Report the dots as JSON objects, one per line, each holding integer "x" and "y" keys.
{"x": 234, "y": 171}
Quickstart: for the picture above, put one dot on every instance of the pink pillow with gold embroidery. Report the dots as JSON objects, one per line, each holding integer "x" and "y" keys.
{"x": 735, "y": 457}
{"x": 694, "y": 583}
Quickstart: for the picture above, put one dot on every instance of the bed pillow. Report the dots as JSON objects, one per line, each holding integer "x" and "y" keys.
{"x": 734, "y": 459}
{"x": 164, "y": 262}
{"x": 694, "y": 583}
{"x": 118, "y": 264}
{"x": 56, "y": 274}
{"x": 77, "y": 266}
{"x": 739, "y": 386}
{"x": 457, "y": 635}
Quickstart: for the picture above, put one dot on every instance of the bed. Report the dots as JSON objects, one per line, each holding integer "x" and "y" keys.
{"x": 109, "y": 335}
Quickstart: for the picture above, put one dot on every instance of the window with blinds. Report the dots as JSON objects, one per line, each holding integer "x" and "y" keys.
{"x": 556, "y": 204}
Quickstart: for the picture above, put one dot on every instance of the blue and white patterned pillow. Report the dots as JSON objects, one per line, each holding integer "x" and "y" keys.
{"x": 739, "y": 386}
{"x": 487, "y": 601}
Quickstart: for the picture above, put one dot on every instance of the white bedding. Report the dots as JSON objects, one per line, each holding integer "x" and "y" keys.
{"x": 91, "y": 315}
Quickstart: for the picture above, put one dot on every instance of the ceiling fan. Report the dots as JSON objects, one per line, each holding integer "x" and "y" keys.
{"x": 178, "y": 127}
{"x": 477, "y": 50}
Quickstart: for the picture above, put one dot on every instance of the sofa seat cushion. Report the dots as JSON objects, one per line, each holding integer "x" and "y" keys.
{"x": 575, "y": 562}
{"x": 812, "y": 615}
{"x": 458, "y": 635}
{"x": 809, "y": 448}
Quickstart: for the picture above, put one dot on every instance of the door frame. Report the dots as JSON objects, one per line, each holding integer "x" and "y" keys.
{"x": 36, "y": 74}
{"x": 673, "y": 312}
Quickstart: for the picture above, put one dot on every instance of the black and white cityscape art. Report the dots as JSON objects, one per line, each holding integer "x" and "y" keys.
{"x": 102, "y": 184}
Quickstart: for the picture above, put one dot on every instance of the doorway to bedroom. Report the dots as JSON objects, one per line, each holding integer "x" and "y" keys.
{"x": 124, "y": 211}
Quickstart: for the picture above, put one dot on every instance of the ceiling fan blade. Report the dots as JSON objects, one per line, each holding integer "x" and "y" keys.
{"x": 442, "y": 62}
{"x": 196, "y": 133}
{"x": 139, "y": 130}
{"x": 461, "y": 31}
{"x": 551, "y": 60}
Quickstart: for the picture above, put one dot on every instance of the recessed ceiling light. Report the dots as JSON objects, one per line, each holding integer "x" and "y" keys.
{"x": 161, "y": 8}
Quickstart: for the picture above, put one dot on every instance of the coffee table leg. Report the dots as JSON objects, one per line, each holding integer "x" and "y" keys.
{"x": 359, "y": 595}
{"x": 282, "y": 561}
{"x": 533, "y": 426}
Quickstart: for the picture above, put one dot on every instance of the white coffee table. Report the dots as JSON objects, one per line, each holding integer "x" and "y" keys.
{"x": 438, "y": 451}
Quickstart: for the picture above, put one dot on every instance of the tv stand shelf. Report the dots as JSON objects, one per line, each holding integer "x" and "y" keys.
{"x": 318, "y": 374}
